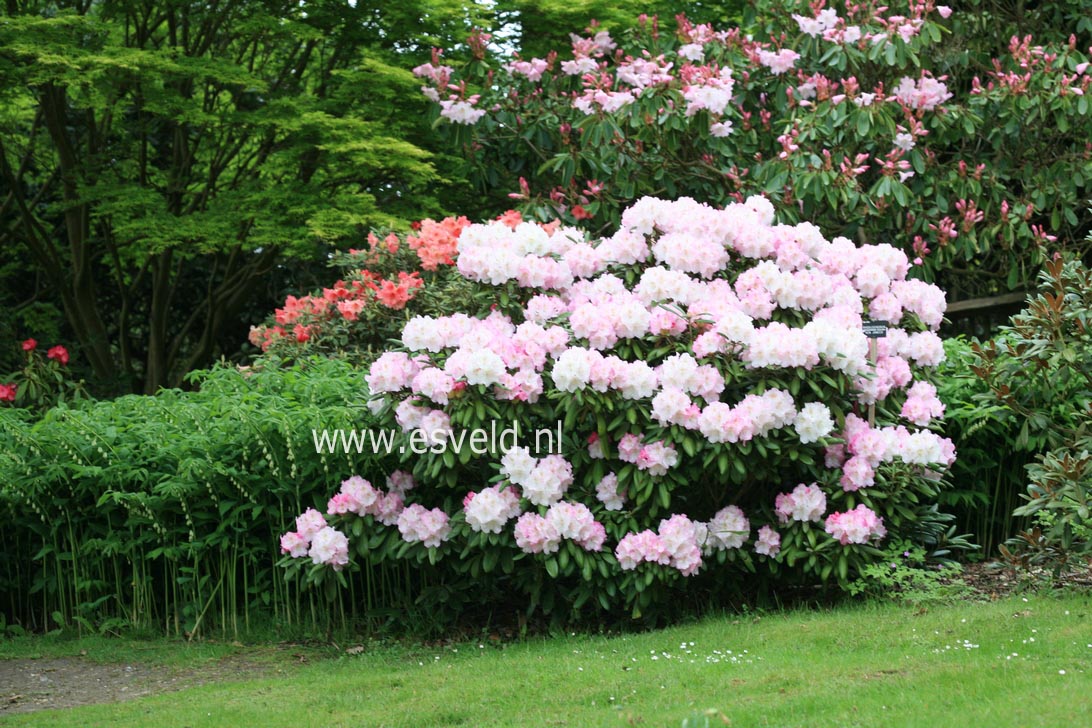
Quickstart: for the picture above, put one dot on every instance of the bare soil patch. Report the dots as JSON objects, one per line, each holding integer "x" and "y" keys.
{"x": 40, "y": 684}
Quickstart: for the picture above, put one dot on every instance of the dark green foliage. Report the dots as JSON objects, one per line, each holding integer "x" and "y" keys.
{"x": 536, "y": 27}
{"x": 159, "y": 161}
{"x": 988, "y": 475}
{"x": 1018, "y": 157}
{"x": 165, "y": 511}
{"x": 1039, "y": 374}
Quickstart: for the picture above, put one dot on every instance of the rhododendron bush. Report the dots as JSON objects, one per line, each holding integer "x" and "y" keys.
{"x": 719, "y": 408}
{"x": 359, "y": 312}
{"x": 867, "y": 119}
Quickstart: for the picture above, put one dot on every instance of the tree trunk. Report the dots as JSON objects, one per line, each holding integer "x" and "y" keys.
{"x": 79, "y": 297}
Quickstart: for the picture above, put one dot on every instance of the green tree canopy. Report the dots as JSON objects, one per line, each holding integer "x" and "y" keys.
{"x": 159, "y": 160}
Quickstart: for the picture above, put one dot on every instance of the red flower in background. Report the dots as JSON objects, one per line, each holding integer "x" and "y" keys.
{"x": 580, "y": 213}
{"x": 394, "y": 295}
{"x": 7, "y": 392}
{"x": 58, "y": 353}
{"x": 30, "y": 345}
{"x": 438, "y": 243}
{"x": 350, "y": 310}
{"x": 512, "y": 218}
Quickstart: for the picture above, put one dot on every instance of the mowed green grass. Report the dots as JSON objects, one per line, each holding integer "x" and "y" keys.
{"x": 1023, "y": 661}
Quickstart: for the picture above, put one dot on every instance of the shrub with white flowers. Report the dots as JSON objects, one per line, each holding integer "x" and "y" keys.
{"x": 718, "y": 405}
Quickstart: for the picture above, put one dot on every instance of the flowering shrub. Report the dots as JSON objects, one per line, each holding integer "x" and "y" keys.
{"x": 43, "y": 382}
{"x": 855, "y": 118}
{"x": 357, "y": 312}
{"x": 710, "y": 375}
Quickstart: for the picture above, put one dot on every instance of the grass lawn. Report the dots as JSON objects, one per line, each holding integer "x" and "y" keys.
{"x": 1023, "y": 661}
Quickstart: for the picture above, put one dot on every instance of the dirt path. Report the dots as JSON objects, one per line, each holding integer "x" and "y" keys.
{"x": 28, "y": 685}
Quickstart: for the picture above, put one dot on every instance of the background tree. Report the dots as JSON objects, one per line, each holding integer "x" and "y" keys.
{"x": 160, "y": 160}
{"x": 910, "y": 123}
{"x": 536, "y": 27}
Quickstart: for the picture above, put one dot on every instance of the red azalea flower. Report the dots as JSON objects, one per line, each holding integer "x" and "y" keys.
{"x": 394, "y": 296}
{"x": 58, "y": 353}
{"x": 512, "y": 218}
{"x": 580, "y": 213}
{"x": 7, "y": 392}
{"x": 30, "y": 345}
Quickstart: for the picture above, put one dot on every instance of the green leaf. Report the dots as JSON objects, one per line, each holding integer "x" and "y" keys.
{"x": 864, "y": 123}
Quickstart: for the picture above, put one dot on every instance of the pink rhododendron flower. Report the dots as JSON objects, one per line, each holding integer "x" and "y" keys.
{"x": 391, "y": 372}
{"x": 388, "y": 508}
{"x": 679, "y": 537}
{"x": 728, "y": 529}
{"x": 536, "y": 535}
{"x": 331, "y": 547}
{"x": 926, "y": 93}
{"x": 635, "y": 548}
{"x": 778, "y": 62}
{"x": 575, "y": 522}
{"x": 489, "y": 510}
{"x": 657, "y": 458}
{"x": 922, "y": 404}
{"x": 768, "y": 543}
{"x": 295, "y": 545}
{"x": 400, "y": 482}
{"x": 551, "y": 477}
{"x": 461, "y": 111}
{"x": 858, "y": 526}
{"x": 58, "y": 354}
{"x": 310, "y": 523}
{"x": 805, "y": 503}
{"x": 356, "y": 496}
{"x": 418, "y": 524}
{"x": 608, "y": 493}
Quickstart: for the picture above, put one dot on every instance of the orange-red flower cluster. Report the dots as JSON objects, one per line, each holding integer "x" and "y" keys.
{"x": 436, "y": 243}
{"x": 301, "y": 318}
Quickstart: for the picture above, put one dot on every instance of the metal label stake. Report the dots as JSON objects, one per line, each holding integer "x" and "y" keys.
{"x": 873, "y": 330}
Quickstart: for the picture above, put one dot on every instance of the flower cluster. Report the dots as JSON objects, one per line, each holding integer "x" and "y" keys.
{"x": 735, "y": 328}
{"x": 859, "y": 525}
{"x": 805, "y": 503}
{"x": 430, "y": 527}
{"x": 379, "y": 278}
{"x": 314, "y": 538}
{"x": 489, "y": 510}
{"x": 680, "y": 542}
{"x": 326, "y": 545}
{"x": 436, "y": 243}
{"x": 40, "y": 377}
{"x": 655, "y": 457}
{"x": 867, "y": 447}
{"x": 537, "y": 534}
{"x": 358, "y": 496}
